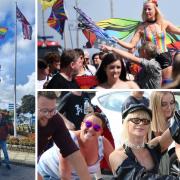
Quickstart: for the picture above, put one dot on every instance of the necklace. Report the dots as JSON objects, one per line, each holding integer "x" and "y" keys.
{"x": 133, "y": 146}
{"x": 151, "y": 21}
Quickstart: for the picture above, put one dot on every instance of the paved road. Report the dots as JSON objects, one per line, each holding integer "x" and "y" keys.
{"x": 17, "y": 172}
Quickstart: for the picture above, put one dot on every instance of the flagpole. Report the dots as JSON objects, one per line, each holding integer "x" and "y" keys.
{"x": 69, "y": 28}
{"x": 77, "y": 31}
{"x": 15, "y": 133}
{"x": 64, "y": 36}
{"x": 43, "y": 22}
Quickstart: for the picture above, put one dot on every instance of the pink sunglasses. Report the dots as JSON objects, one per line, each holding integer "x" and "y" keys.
{"x": 96, "y": 127}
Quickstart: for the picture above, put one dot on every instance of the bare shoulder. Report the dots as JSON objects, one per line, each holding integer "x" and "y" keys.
{"x": 108, "y": 148}
{"x": 119, "y": 155}
{"x": 116, "y": 158}
{"x": 132, "y": 85}
{"x": 141, "y": 27}
{"x": 166, "y": 23}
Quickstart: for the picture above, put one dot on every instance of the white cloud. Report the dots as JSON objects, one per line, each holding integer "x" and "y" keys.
{"x": 7, "y": 90}
{"x": 27, "y": 88}
{"x": 25, "y": 53}
{"x": 8, "y": 6}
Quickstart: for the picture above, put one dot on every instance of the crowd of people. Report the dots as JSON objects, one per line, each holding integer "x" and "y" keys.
{"x": 112, "y": 67}
{"x": 72, "y": 139}
{"x": 113, "y": 71}
{"x": 149, "y": 127}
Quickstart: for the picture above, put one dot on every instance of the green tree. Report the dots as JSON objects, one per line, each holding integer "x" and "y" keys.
{"x": 28, "y": 104}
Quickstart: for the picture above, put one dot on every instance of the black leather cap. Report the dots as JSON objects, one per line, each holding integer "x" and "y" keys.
{"x": 135, "y": 107}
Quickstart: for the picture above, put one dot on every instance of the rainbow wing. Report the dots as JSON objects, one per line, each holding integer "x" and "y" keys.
{"x": 123, "y": 28}
{"x": 119, "y": 27}
{"x": 171, "y": 38}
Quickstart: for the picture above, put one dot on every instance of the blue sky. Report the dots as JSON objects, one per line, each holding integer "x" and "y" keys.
{"x": 99, "y": 10}
{"x": 25, "y": 52}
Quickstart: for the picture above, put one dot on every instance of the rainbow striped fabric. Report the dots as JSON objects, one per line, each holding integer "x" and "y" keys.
{"x": 3, "y": 32}
{"x": 122, "y": 28}
{"x": 57, "y": 17}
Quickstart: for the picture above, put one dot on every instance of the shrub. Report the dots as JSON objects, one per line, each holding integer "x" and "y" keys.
{"x": 24, "y": 141}
{"x": 13, "y": 140}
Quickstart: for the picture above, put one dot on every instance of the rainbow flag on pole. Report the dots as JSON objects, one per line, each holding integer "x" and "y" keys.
{"x": 3, "y": 32}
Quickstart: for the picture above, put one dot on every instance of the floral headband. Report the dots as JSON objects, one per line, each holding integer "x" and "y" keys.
{"x": 152, "y": 1}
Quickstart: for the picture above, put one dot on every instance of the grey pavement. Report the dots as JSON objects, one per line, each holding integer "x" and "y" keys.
{"x": 17, "y": 172}
{"x": 22, "y": 167}
{"x": 24, "y": 158}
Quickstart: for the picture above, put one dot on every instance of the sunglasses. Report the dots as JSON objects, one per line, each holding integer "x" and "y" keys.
{"x": 96, "y": 127}
{"x": 138, "y": 121}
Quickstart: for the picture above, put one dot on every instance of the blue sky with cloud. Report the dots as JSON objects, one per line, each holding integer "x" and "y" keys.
{"x": 25, "y": 52}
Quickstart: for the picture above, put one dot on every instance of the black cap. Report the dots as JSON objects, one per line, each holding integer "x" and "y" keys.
{"x": 135, "y": 107}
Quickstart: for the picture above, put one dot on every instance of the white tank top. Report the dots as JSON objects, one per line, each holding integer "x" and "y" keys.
{"x": 49, "y": 161}
{"x": 95, "y": 167}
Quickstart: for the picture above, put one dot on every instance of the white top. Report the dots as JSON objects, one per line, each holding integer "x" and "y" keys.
{"x": 40, "y": 83}
{"x": 91, "y": 71}
{"x": 49, "y": 160}
{"x": 95, "y": 167}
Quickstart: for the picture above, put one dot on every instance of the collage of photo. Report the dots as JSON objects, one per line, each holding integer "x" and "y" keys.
{"x": 89, "y": 90}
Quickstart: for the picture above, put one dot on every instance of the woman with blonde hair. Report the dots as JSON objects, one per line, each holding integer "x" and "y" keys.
{"x": 138, "y": 159}
{"x": 162, "y": 104}
{"x": 154, "y": 29}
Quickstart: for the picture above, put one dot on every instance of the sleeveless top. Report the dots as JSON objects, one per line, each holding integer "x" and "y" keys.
{"x": 95, "y": 167}
{"x": 131, "y": 167}
{"x": 158, "y": 39}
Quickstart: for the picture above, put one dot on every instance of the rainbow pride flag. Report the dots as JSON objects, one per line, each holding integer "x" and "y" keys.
{"x": 3, "y": 32}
